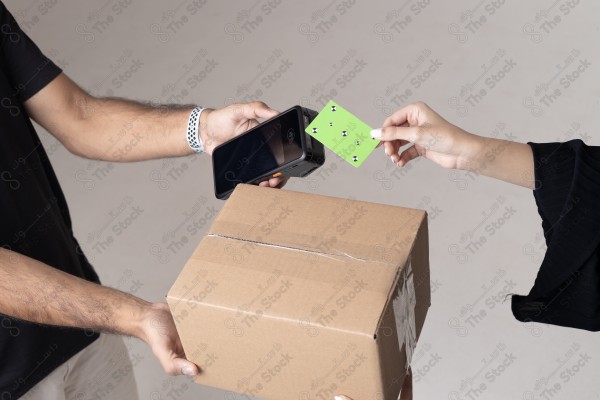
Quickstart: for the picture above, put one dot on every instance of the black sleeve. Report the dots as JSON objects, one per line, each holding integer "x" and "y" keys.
{"x": 566, "y": 291}
{"x": 27, "y": 69}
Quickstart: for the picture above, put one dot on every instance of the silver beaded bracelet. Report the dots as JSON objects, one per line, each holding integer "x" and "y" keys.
{"x": 193, "y": 130}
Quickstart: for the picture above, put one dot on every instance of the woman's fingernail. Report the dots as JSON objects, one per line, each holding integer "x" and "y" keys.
{"x": 338, "y": 398}
{"x": 188, "y": 370}
{"x": 376, "y": 133}
{"x": 393, "y": 159}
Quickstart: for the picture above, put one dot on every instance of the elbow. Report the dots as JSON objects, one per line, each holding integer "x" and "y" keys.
{"x": 81, "y": 137}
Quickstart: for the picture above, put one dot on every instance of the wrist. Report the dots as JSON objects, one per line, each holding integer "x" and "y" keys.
{"x": 132, "y": 316}
{"x": 151, "y": 318}
{"x": 472, "y": 155}
{"x": 204, "y": 129}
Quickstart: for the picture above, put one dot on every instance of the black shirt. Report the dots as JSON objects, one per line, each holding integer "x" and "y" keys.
{"x": 34, "y": 217}
{"x": 567, "y": 288}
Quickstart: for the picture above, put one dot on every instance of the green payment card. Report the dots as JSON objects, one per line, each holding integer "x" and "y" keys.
{"x": 343, "y": 133}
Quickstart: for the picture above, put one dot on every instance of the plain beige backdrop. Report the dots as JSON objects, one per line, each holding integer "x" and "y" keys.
{"x": 522, "y": 70}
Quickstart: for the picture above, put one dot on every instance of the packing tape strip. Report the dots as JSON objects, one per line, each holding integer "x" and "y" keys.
{"x": 404, "y": 303}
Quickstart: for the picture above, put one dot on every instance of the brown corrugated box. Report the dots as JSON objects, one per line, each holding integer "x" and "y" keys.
{"x": 299, "y": 296}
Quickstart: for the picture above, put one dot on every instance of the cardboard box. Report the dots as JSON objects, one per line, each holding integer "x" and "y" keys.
{"x": 298, "y": 296}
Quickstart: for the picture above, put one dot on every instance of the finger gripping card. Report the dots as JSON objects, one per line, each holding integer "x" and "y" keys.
{"x": 343, "y": 133}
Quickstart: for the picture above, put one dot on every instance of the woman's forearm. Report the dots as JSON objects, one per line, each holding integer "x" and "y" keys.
{"x": 502, "y": 159}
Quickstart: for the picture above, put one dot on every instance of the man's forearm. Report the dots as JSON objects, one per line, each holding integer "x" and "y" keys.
{"x": 124, "y": 130}
{"x": 110, "y": 129}
{"x": 33, "y": 291}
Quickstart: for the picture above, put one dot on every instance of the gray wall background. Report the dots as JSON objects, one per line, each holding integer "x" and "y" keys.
{"x": 371, "y": 57}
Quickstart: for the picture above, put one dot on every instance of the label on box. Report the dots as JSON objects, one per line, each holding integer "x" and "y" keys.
{"x": 404, "y": 303}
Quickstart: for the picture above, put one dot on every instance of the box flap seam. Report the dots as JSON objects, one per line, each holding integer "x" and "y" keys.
{"x": 320, "y": 253}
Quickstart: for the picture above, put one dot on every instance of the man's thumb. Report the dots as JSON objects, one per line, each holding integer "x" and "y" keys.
{"x": 185, "y": 367}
